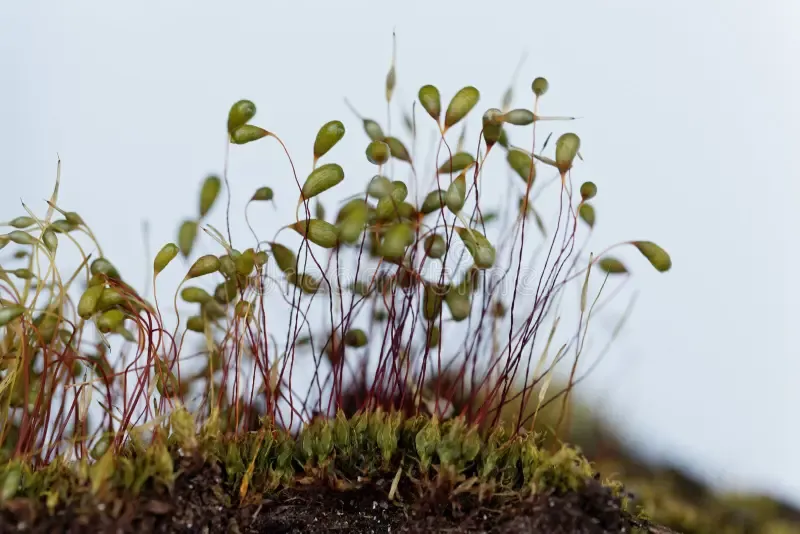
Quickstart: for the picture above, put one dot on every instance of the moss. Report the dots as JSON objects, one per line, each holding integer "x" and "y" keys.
{"x": 342, "y": 452}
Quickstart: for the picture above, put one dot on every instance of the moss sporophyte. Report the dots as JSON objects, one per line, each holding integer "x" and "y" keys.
{"x": 409, "y": 351}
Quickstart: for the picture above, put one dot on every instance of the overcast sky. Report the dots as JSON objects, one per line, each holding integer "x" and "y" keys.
{"x": 689, "y": 117}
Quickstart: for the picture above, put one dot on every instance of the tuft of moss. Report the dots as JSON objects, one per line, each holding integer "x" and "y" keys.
{"x": 340, "y": 451}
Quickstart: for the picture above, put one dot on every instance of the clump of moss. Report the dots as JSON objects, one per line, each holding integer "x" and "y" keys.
{"x": 425, "y": 260}
{"x": 424, "y": 458}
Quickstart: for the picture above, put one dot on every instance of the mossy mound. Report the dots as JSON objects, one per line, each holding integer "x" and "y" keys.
{"x": 375, "y": 472}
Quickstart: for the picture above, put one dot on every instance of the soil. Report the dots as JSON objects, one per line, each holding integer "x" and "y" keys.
{"x": 202, "y": 502}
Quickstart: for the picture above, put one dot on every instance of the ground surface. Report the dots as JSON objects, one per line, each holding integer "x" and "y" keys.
{"x": 201, "y": 502}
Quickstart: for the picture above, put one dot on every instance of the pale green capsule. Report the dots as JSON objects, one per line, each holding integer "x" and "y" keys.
{"x": 398, "y": 237}
{"x": 164, "y": 257}
{"x": 540, "y": 86}
{"x": 407, "y": 211}
{"x": 88, "y": 301}
{"x": 461, "y": 104}
{"x": 22, "y": 222}
{"x": 459, "y": 162}
{"x": 321, "y": 179}
{"x": 262, "y": 194}
{"x": 519, "y": 117}
{"x": 261, "y": 258}
{"x": 247, "y": 134}
{"x": 355, "y": 338}
{"x": 307, "y": 283}
{"x": 435, "y": 246}
{"x": 319, "y": 232}
{"x": 21, "y": 238}
{"x": 391, "y": 81}
{"x": 588, "y": 190}
{"x": 195, "y": 295}
{"x": 243, "y": 309}
{"x": 105, "y": 267}
{"x": 386, "y": 209}
{"x": 378, "y": 152}
{"x": 226, "y": 292}
{"x": 245, "y": 262}
{"x": 586, "y": 213}
{"x": 187, "y": 234}
{"x": 503, "y": 140}
{"x": 50, "y": 240}
{"x": 456, "y": 193}
{"x": 657, "y": 256}
{"x": 379, "y": 187}
{"x": 433, "y": 336}
{"x": 196, "y": 323}
{"x": 62, "y": 226}
{"x": 399, "y": 191}
{"x": 431, "y": 100}
{"x": 22, "y": 274}
{"x": 9, "y": 313}
{"x": 492, "y": 126}
{"x": 522, "y": 164}
{"x": 73, "y": 218}
{"x": 481, "y": 250}
{"x": 398, "y": 149}
{"x": 284, "y": 257}
{"x": 209, "y": 193}
{"x": 109, "y": 298}
{"x": 612, "y": 265}
{"x": 459, "y": 303}
{"x": 240, "y": 114}
{"x": 331, "y": 133}
{"x": 47, "y": 325}
{"x": 213, "y": 310}
{"x": 204, "y": 265}
{"x": 373, "y": 129}
{"x": 110, "y": 321}
{"x": 567, "y": 147}
{"x": 433, "y": 201}
{"x": 353, "y": 223}
{"x": 432, "y": 298}
{"x": 355, "y": 205}
{"x": 227, "y": 265}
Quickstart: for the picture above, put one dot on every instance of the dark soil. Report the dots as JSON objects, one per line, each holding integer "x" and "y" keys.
{"x": 202, "y": 502}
